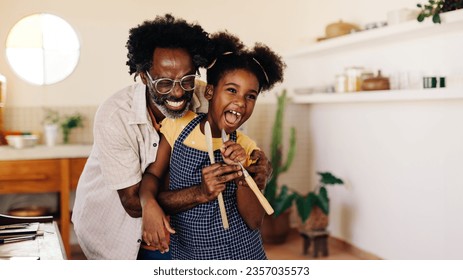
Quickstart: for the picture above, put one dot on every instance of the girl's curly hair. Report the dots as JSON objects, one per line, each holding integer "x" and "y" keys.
{"x": 166, "y": 32}
{"x": 230, "y": 54}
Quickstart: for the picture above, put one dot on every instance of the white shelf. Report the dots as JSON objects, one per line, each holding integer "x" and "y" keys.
{"x": 451, "y": 22}
{"x": 380, "y": 96}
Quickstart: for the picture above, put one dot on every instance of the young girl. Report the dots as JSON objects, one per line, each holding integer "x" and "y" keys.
{"x": 235, "y": 79}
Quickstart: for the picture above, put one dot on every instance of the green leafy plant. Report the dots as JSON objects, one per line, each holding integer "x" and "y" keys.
{"x": 51, "y": 116}
{"x": 70, "y": 122}
{"x": 434, "y": 8}
{"x": 317, "y": 197}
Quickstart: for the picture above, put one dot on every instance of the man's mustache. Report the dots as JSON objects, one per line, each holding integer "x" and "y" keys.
{"x": 186, "y": 96}
{"x": 163, "y": 98}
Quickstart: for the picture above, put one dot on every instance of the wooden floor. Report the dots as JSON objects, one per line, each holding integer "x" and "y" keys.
{"x": 290, "y": 250}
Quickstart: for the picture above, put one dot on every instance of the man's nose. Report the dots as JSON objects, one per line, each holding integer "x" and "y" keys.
{"x": 177, "y": 91}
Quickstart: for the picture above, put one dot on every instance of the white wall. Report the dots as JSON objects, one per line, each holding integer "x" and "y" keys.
{"x": 103, "y": 28}
{"x": 401, "y": 161}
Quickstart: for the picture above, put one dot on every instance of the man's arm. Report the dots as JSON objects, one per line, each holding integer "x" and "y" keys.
{"x": 131, "y": 200}
{"x": 213, "y": 182}
{"x": 180, "y": 200}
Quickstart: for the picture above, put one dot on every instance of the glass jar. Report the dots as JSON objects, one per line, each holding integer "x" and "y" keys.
{"x": 354, "y": 78}
{"x": 340, "y": 84}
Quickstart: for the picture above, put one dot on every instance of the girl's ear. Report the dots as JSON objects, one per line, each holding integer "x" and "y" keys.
{"x": 209, "y": 92}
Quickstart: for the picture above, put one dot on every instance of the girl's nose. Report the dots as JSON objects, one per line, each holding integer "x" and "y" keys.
{"x": 238, "y": 100}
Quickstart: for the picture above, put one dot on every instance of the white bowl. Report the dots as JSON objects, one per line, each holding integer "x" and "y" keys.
{"x": 22, "y": 141}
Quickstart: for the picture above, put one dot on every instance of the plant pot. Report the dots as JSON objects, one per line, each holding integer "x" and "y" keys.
{"x": 51, "y": 134}
{"x": 316, "y": 221}
{"x": 276, "y": 230}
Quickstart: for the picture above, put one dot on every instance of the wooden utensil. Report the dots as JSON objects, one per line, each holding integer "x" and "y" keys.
{"x": 252, "y": 184}
{"x": 210, "y": 150}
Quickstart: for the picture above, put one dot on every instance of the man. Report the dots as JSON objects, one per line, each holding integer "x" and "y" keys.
{"x": 106, "y": 215}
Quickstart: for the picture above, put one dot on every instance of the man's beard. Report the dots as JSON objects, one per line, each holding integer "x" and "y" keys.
{"x": 160, "y": 103}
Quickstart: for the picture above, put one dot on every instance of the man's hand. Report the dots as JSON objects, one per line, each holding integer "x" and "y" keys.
{"x": 214, "y": 178}
{"x": 261, "y": 171}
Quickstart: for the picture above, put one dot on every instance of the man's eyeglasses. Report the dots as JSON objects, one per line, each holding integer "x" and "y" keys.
{"x": 166, "y": 85}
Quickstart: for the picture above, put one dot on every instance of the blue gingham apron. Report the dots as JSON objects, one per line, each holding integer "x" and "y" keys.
{"x": 199, "y": 231}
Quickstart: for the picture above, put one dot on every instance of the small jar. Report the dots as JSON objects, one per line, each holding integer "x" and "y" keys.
{"x": 354, "y": 78}
{"x": 429, "y": 82}
{"x": 340, "y": 83}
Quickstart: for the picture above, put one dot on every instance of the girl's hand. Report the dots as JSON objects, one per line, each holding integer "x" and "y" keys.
{"x": 156, "y": 227}
{"x": 233, "y": 153}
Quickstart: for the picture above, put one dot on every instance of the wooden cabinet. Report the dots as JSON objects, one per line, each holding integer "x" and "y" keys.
{"x": 32, "y": 176}
{"x": 41, "y": 176}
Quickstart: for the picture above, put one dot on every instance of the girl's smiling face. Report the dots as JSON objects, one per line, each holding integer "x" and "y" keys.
{"x": 232, "y": 101}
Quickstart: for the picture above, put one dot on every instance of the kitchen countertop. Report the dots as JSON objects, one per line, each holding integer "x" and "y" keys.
{"x": 45, "y": 152}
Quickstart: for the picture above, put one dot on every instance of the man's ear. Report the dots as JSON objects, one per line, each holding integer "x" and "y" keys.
{"x": 209, "y": 92}
{"x": 143, "y": 78}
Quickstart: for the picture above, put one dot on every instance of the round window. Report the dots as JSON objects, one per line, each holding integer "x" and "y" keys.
{"x": 42, "y": 49}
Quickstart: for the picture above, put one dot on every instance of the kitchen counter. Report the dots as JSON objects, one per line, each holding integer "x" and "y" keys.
{"x": 43, "y": 169}
{"x": 45, "y": 152}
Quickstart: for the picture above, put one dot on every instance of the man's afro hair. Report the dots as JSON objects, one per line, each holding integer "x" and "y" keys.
{"x": 166, "y": 32}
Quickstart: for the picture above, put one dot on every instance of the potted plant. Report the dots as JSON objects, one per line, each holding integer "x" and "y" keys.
{"x": 435, "y": 7}
{"x": 53, "y": 121}
{"x": 313, "y": 208}
{"x": 275, "y": 228}
{"x": 50, "y": 126}
{"x": 70, "y": 122}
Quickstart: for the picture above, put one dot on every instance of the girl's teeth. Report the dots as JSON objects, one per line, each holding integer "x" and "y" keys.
{"x": 232, "y": 116}
{"x": 234, "y": 112}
